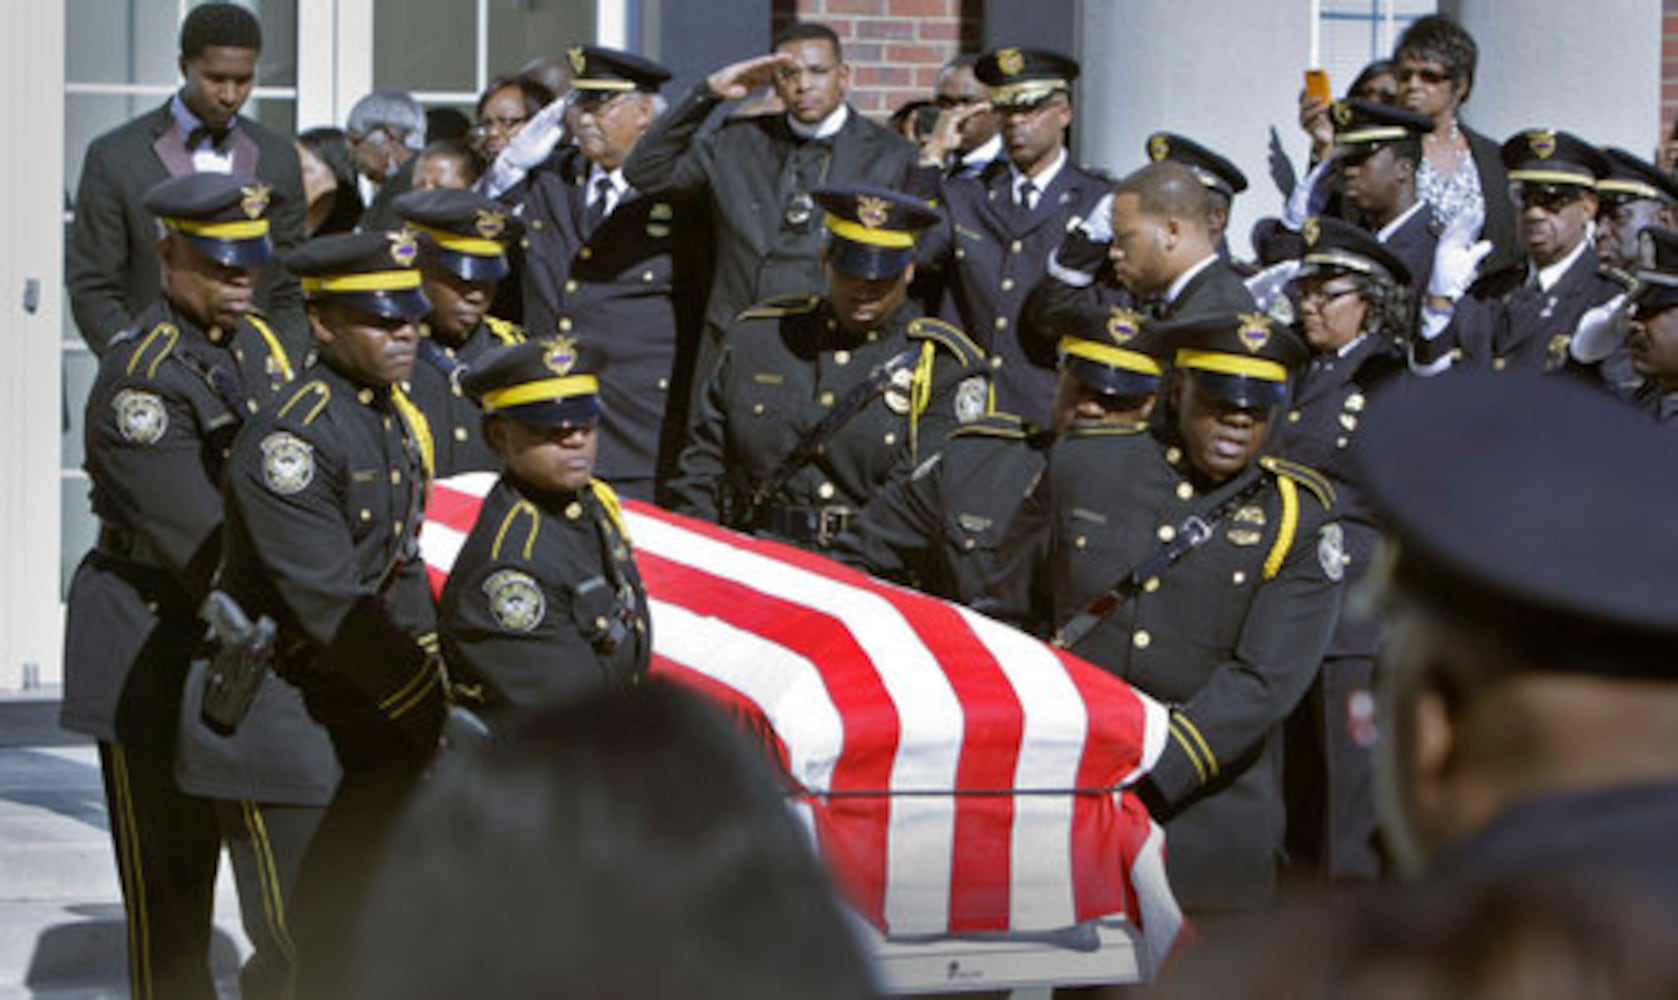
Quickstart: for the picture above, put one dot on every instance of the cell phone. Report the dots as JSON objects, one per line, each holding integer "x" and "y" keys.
{"x": 1316, "y": 85}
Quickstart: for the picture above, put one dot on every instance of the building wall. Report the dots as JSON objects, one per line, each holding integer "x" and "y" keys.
{"x": 1669, "y": 66}
{"x": 895, "y": 47}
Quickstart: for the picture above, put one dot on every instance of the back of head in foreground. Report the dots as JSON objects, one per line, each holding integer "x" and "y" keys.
{"x": 626, "y": 845}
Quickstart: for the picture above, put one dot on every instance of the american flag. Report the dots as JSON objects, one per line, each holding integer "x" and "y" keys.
{"x": 959, "y": 776}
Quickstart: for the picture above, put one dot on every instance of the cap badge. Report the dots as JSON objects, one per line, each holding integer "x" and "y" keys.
{"x": 1312, "y": 230}
{"x": 561, "y": 355}
{"x": 255, "y": 200}
{"x": 1254, "y": 331}
{"x": 1010, "y": 61}
{"x": 872, "y": 211}
{"x": 404, "y": 247}
{"x": 491, "y": 224}
{"x": 1123, "y": 324}
{"x": 1159, "y": 147}
{"x": 578, "y": 60}
{"x": 1342, "y": 114}
{"x": 1542, "y": 142}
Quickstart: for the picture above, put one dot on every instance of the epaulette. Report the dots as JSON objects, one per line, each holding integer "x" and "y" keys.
{"x": 1094, "y": 428}
{"x": 1618, "y": 277}
{"x": 505, "y": 330}
{"x": 309, "y": 400}
{"x": 931, "y": 328}
{"x": 781, "y": 305}
{"x": 153, "y": 348}
{"x": 1310, "y": 478}
{"x": 995, "y": 425}
{"x": 506, "y": 533}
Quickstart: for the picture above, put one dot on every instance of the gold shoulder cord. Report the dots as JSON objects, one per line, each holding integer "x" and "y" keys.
{"x": 275, "y": 351}
{"x": 1290, "y": 526}
{"x": 419, "y": 427}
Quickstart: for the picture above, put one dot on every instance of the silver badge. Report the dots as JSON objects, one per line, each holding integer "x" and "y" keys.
{"x": 896, "y": 395}
{"x": 288, "y": 462}
{"x": 141, "y": 417}
{"x": 970, "y": 399}
{"x": 1331, "y": 551}
{"x": 515, "y": 600}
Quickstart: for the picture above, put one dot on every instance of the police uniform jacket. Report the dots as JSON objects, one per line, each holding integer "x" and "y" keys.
{"x": 325, "y": 494}
{"x": 455, "y": 421}
{"x": 1414, "y": 243}
{"x": 989, "y": 254}
{"x": 1506, "y": 322}
{"x": 750, "y": 169}
{"x": 789, "y": 362}
{"x": 111, "y": 263}
{"x": 1229, "y": 637}
{"x": 1319, "y": 432}
{"x": 633, "y": 291}
{"x": 162, "y": 413}
{"x": 544, "y": 602}
{"x": 1662, "y": 405}
{"x": 939, "y": 529}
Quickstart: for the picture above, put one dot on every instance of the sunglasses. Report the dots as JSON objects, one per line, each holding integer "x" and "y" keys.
{"x": 1426, "y": 74}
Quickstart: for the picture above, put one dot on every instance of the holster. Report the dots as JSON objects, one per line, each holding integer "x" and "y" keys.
{"x": 244, "y": 653}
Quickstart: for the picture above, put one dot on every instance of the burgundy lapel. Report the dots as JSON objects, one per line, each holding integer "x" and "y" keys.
{"x": 245, "y": 153}
{"x": 170, "y": 147}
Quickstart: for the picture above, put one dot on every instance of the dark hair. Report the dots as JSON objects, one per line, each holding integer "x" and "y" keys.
{"x": 1436, "y": 38}
{"x": 1380, "y": 67}
{"x": 446, "y": 123}
{"x": 461, "y": 150}
{"x": 219, "y": 24}
{"x": 810, "y": 31}
{"x": 536, "y": 97}
{"x": 1168, "y": 189}
{"x": 333, "y": 148}
{"x": 627, "y": 844}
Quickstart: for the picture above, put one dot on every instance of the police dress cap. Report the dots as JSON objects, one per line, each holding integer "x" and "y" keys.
{"x": 463, "y": 230}
{"x": 1119, "y": 356}
{"x": 1547, "y": 156}
{"x": 538, "y": 382}
{"x": 1213, "y": 170}
{"x": 596, "y": 68}
{"x": 1363, "y": 128}
{"x": 1536, "y": 506}
{"x": 1334, "y": 245}
{"x": 1630, "y": 177}
{"x": 224, "y": 215}
{"x": 1023, "y": 78}
{"x": 1243, "y": 358}
{"x": 1657, "y": 269}
{"x": 371, "y": 271}
{"x": 872, "y": 231}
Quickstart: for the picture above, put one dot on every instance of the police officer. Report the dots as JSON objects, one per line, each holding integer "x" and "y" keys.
{"x": 626, "y": 273}
{"x": 999, "y": 226}
{"x": 326, "y": 493}
{"x": 463, "y": 240}
{"x": 1653, "y": 343}
{"x": 1529, "y": 698}
{"x": 939, "y": 529}
{"x": 544, "y": 602}
{"x": 1214, "y": 170}
{"x": 818, "y": 401}
{"x": 1523, "y": 316}
{"x": 1633, "y": 196}
{"x": 171, "y": 392}
{"x": 1353, "y": 308}
{"x": 1227, "y": 570}
{"x": 1378, "y": 149}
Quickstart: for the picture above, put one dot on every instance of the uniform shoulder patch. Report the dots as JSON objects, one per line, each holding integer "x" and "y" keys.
{"x": 1305, "y": 476}
{"x": 994, "y": 425}
{"x": 972, "y": 398}
{"x": 505, "y": 330}
{"x": 151, "y": 348}
{"x": 950, "y": 337}
{"x": 1618, "y": 277}
{"x": 288, "y": 463}
{"x": 141, "y": 416}
{"x": 305, "y": 404}
{"x": 515, "y": 600}
{"x": 1331, "y": 551}
{"x": 781, "y": 305}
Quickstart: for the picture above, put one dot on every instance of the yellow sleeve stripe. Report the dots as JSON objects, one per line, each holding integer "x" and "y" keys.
{"x": 1195, "y": 745}
{"x": 406, "y": 691}
{"x": 1290, "y": 528}
{"x": 428, "y": 678}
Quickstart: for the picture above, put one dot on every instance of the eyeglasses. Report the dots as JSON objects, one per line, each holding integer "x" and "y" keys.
{"x": 1426, "y": 74}
{"x": 594, "y": 102}
{"x": 1544, "y": 197}
{"x": 508, "y": 124}
{"x": 1322, "y": 295}
{"x": 787, "y": 74}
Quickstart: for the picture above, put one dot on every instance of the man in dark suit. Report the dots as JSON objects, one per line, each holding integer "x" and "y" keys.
{"x": 759, "y": 171}
{"x": 623, "y": 273}
{"x": 1000, "y": 225}
{"x": 111, "y": 268}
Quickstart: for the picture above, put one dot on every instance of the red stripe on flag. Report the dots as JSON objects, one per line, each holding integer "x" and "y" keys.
{"x": 1098, "y": 878}
{"x": 858, "y": 828}
{"x": 450, "y": 506}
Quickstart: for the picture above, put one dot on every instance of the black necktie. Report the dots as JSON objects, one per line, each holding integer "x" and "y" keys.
{"x": 602, "y": 199}
{"x": 215, "y": 137}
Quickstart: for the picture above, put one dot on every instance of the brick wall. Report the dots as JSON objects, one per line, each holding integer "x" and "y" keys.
{"x": 894, "y": 46}
{"x": 1669, "y": 65}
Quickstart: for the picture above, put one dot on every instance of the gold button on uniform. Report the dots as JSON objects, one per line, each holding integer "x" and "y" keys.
{"x": 366, "y": 515}
{"x": 395, "y": 477}
{"x": 1184, "y": 491}
{"x": 396, "y": 529}
{"x": 571, "y": 284}
{"x": 825, "y": 491}
{"x": 1174, "y": 455}
{"x": 827, "y": 399}
{"x": 1141, "y": 639}
{"x": 365, "y": 396}
{"x": 1080, "y": 542}
{"x": 1293, "y": 416}
{"x": 460, "y": 433}
{"x": 1166, "y": 532}
{"x": 663, "y": 384}
{"x": 757, "y": 409}
{"x": 585, "y": 253}
{"x": 1151, "y": 584}
{"x": 841, "y": 357}
{"x": 646, "y": 276}
{"x": 969, "y": 544}
{"x": 891, "y": 437}
{"x": 573, "y": 510}
{"x": 1007, "y": 284}
{"x": 1002, "y": 322}
{"x": 1239, "y": 578}
{"x": 1016, "y": 247}
{"x": 564, "y": 324}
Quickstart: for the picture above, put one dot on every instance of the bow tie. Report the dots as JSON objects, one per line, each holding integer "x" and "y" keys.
{"x": 216, "y": 137}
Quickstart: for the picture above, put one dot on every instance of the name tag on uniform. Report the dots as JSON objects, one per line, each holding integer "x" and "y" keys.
{"x": 768, "y": 378}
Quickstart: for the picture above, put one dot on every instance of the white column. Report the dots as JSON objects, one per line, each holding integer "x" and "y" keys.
{"x": 1221, "y": 73}
{"x": 1593, "y": 69}
{"x": 31, "y": 301}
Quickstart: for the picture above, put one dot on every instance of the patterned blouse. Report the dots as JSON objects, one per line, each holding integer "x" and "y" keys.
{"x": 1449, "y": 197}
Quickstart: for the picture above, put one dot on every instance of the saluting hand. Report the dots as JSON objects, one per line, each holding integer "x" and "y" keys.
{"x": 736, "y": 80}
{"x": 945, "y": 137}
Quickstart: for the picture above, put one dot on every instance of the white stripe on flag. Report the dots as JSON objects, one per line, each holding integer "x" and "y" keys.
{"x": 441, "y": 544}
